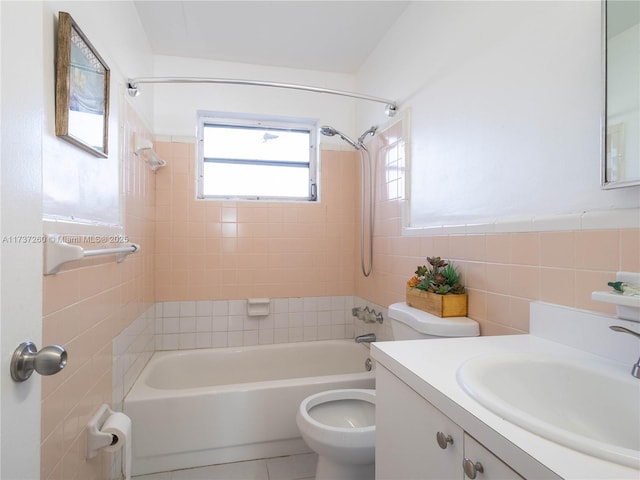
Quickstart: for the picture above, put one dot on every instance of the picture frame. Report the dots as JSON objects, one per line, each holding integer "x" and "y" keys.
{"x": 82, "y": 90}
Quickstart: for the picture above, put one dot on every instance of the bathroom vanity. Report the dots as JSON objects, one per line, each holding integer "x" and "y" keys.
{"x": 428, "y": 426}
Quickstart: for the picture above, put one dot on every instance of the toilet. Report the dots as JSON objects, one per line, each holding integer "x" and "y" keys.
{"x": 339, "y": 425}
{"x": 408, "y": 323}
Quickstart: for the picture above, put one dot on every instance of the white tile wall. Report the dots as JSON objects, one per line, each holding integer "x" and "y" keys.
{"x": 132, "y": 349}
{"x": 225, "y": 323}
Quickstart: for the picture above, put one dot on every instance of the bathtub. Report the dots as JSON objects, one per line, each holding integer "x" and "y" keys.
{"x": 193, "y": 408}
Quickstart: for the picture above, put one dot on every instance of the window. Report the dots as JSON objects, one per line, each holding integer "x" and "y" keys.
{"x": 242, "y": 157}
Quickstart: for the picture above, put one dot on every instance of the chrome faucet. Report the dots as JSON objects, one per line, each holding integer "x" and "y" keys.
{"x": 366, "y": 338}
{"x": 635, "y": 371}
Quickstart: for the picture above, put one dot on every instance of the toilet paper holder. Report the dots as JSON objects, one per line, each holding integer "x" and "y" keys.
{"x": 96, "y": 439}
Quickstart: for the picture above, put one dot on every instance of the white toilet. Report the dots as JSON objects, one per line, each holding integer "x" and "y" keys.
{"x": 339, "y": 425}
{"x": 408, "y": 323}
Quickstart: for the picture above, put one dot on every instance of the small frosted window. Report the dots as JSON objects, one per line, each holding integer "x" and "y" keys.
{"x": 248, "y": 158}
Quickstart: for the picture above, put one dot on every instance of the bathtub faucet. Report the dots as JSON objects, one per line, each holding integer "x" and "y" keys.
{"x": 367, "y": 315}
{"x": 366, "y": 338}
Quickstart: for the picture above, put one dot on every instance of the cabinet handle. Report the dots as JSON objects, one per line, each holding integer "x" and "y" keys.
{"x": 471, "y": 469}
{"x": 443, "y": 440}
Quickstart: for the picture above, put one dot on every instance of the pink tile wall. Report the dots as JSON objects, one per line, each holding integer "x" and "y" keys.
{"x": 209, "y": 250}
{"x": 85, "y": 306}
{"x": 502, "y": 272}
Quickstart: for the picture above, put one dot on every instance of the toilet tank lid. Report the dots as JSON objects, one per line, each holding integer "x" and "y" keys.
{"x": 429, "y": 324}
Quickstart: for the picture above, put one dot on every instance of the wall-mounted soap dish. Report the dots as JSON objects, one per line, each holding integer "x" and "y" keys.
{"x": 627, "y": 306}
{"x": 144, "y": 148}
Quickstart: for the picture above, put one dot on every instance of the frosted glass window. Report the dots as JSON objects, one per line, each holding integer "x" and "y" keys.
{"x": 258, "y": 159}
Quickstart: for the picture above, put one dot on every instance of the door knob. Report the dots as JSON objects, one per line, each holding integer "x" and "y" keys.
{"x": 27, "y": 358}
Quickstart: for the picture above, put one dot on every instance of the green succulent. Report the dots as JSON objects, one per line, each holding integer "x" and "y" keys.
{"x": 439, "y": 277}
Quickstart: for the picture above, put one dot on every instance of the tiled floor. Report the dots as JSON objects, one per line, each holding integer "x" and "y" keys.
{"x": 295, "y": 467}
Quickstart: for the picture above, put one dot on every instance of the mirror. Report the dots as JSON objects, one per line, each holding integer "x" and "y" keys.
{"x": 621, "y": 93}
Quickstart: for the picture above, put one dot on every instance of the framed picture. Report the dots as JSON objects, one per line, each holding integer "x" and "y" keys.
{"x": 82, "y": 90}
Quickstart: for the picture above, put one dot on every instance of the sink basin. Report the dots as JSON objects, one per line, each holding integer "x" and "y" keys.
{"x": 584, "y": 406}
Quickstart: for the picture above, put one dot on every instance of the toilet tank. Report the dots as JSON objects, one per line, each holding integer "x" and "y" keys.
{"x": 408, "y": 323}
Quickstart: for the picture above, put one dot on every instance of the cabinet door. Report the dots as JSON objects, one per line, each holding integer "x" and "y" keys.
{"x": 406, "y": 428}
{"x": 492, "y": 467}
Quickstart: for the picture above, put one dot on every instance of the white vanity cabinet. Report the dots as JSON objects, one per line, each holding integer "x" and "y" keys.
{"x": 414, "y": 440}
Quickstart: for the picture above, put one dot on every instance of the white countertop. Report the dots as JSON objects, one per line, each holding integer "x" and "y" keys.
{"x": 429, "y": 367}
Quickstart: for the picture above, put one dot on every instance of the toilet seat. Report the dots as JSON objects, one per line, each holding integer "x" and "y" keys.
{"x": 338, "y": 410}
{"x": 350, "y": 444}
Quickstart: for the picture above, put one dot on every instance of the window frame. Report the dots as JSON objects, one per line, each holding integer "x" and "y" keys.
{"x": 238, "y": 120}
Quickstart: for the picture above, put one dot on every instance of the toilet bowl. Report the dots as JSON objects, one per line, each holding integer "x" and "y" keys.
{"x": 339, "y": 425}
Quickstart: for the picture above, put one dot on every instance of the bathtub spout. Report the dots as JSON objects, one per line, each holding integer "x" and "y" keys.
{"x": 366, "y": 338}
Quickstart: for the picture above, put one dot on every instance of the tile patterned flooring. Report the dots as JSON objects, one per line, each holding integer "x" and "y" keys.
{"x": 294, "y": 467}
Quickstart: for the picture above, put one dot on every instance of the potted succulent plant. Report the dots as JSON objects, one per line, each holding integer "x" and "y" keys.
{"x": 436, "y": 288}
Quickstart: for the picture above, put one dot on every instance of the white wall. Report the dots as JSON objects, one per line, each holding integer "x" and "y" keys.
{"x": 176, "y": 104}
{"x": 78, "y": 186}
{"x": 505, "y": 107}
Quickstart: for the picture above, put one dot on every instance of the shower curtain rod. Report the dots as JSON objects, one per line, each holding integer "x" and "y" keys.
{"x": 390, "y": 106}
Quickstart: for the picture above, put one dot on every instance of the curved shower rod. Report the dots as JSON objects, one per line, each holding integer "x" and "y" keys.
{"x": 391, "y": 107}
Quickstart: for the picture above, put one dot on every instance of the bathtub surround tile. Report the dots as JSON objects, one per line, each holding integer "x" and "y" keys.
{"x": 219, "y": 324}
{"x": 186, "y": 341}
{"x": 187, "y": 324}
{"x": 219, "y": 339}
{"x": 204, "y": 324}
{"x": 171, "y": 309}
{"x": 281, "y": 335}
{"x": 170, "y": 325}
{"x": 203, "y": 340}
{"x": 250, "y": 337}
{"x": 331, "y": 319}
{"x": 168, "y": 342}
{"x": 235, "y": 339}
{"x": 220, "y": 307}
{"x": 187, "y": 309}
{"x": 131, "y": 350}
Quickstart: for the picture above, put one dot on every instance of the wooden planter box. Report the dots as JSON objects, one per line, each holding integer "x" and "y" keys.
{"x": 440, "y": 305}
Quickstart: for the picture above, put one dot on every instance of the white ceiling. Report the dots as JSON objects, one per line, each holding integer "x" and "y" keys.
{"x": 330, "y": 35}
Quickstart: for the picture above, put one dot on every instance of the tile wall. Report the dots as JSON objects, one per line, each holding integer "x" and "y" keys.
{"x": 225, "y": 323}
{"x": 213, "y": 250}
{"x": 85, "y": 306}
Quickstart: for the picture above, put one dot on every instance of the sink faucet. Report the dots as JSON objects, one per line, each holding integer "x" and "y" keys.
{"x": 366, "y": 338}
{"x": 635, "y": 371}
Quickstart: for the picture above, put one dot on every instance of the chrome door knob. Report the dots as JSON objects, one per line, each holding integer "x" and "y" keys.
{"x": 27, "y": 358}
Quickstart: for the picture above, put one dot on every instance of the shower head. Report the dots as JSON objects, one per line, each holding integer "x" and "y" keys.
{"x": 330, "y": 132}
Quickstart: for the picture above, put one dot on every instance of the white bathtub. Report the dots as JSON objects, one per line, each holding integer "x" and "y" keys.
{"x": 203, "y": 407}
